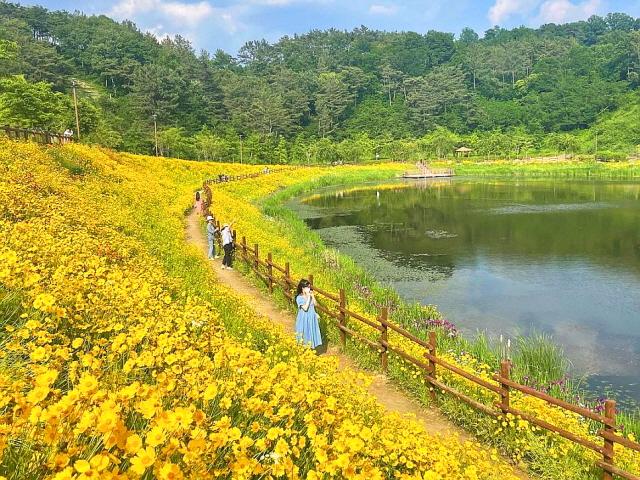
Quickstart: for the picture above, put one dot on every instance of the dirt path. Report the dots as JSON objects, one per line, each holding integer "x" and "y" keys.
{"x": 386, "y": 393}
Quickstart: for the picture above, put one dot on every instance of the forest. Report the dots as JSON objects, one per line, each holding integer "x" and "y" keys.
{"x": 329, "y": 95}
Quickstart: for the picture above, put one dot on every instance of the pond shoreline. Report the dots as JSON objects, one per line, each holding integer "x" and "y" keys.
{"x": 274, "y": 204}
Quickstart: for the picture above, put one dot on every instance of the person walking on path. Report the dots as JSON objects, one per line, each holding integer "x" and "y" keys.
{"x": 307, "y": 325}
{"x": 198, "y": 204}
{"x": 211, "y": 237}
{"x": 227, "y": 246}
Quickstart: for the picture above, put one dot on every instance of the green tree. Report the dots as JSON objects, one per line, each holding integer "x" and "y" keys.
{"x": 212, "y": 147}
{"x": 283, "y": 156}
{"x": 157, "y": 90}
{"x": 440, "y": 142}
{"x": 332, "y": 100}
{"x": 432, "y": 95}
{"x": 174, "y": 143}
{"x": 31, "y": 105}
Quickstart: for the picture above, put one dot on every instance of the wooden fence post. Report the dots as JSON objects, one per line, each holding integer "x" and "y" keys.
{"x": 256, "y": 261}
{"x": 432, "y": 364}
{"x": 287, "y": 274}
{"x": 610, "y": 414}
{"x": 244, "y": 248}
{"x": 288, "y": 281}
{"x": 384, "y": 354}
{"x": 342, "y": 321}
{"x": 270, "y": 271}
{"x": 311, "y": 279}
{"x": 505, "y": 372}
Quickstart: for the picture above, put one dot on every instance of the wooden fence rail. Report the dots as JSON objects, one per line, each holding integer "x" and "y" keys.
{"x": 334, "y": 305}
{"x": 39, "y": 136}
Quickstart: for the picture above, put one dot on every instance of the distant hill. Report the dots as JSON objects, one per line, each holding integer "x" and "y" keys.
{"x": 336, "y": 85}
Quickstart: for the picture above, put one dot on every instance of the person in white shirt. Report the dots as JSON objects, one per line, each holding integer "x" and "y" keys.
{"x": 227, "y": 246}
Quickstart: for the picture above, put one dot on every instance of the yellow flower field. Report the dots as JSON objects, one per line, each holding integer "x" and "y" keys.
{"x": 122, "y": 357}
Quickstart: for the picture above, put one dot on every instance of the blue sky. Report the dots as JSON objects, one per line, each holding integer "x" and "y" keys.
{"x": 227, "y": 24}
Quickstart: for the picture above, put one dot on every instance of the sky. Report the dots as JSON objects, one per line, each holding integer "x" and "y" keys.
{"x": 228, "y": 24}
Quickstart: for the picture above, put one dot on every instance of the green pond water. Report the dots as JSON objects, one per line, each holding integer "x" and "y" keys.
{"x": 506, "y": 256}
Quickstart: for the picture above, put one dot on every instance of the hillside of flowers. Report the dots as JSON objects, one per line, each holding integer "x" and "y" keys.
{"x": 262, "y": 220}
{"x": 121, "y": 357}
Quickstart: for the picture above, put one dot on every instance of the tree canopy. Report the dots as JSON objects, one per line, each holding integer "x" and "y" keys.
{"x": 331, "y": 84}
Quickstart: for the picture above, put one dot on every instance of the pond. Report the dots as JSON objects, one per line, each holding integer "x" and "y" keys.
{"x": 506, "y": 256}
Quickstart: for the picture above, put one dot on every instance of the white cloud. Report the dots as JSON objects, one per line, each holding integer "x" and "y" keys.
{"x": 377, "y": 9}
{"x": 561, "y": 11}
{"x": 544, "y": 11}
{"x": 160, "y": 32}
{"x": 189, "y": 14}
{"x": 503, "y": 9}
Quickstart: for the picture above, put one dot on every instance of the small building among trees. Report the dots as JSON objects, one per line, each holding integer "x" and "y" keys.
{"x": 463, "y": 151}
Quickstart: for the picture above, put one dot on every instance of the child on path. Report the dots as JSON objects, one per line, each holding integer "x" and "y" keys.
{"x": 211, "y": 237}
{"x": 307, "y": 325}
{"x": 227, "y": 246}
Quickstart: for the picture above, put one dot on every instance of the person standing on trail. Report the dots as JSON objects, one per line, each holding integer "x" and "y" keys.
{"x": 67, "y": 135}
{"x": 307, "y": 320}
{"x": 211, "y": 237}
{"x": 227, "y": 246}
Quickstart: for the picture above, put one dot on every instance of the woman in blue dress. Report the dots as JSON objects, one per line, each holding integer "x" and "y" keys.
{"x": 307, "y": 326}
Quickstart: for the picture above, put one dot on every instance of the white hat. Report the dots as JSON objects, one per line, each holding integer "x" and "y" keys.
{"x": 209, "y": 217}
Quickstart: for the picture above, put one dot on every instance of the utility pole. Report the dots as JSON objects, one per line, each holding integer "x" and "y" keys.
{"x": 155, "y": 131}
{"x": 75, "y": 105}
{"x": 595, "y": 155}
{"x": 241, "y": 136}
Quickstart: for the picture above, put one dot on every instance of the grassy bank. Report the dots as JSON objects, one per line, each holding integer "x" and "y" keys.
{"x": 533, "y": 168}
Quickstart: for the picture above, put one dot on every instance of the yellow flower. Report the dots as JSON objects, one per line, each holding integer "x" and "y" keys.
{"x": 282, "y": 447}
{"x": 99, "y": 462}
{"x": 38, "y": 354}
{"x": 210, "y": 392}
{"x": 133, "y": 444}
{"x": 169, "y": 471}
{"x": 88, "y": 384}
{"x": 38, "y": 394}
{"x": 155, "y": 437}
{"x": 81, "y": 466}
{"x": 145, "y": 457}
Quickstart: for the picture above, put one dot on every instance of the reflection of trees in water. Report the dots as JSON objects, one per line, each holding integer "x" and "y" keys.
{"x": 537, "y": 219}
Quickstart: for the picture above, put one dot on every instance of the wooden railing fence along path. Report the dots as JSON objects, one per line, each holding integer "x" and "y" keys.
{"x": 335, "y": 306}
{"x": 40, "y": 136}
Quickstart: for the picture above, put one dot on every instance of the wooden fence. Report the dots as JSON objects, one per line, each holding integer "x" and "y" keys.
{"x": 39, "y": 136}
{"x": 335, "y": 306}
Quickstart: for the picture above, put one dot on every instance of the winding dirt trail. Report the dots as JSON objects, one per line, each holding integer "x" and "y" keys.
{"x": 387, "y": 394}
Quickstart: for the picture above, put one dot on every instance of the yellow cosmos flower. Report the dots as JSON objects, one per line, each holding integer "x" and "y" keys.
{"x": 99, "y": 462}
{"x": 155, "y": 437}
{"x": 88, "y": 384}
{"x": 145, "y": 458}
{"x": 133, "y": 444}
{"x": 81, "y": 466}
{"x": 38, "y": 394}
{"x": 170, "y": 471}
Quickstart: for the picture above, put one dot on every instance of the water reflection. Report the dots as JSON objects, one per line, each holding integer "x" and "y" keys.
{"x": 506, "y": 256}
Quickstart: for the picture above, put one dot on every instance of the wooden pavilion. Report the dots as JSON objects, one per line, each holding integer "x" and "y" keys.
{"x": 463, "y": 151}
